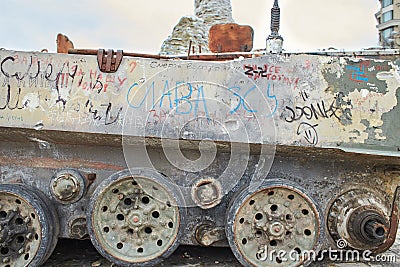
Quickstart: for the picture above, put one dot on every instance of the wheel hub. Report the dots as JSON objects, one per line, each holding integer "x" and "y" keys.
{"x": 276, "y": 219}
{"x": 276, "y": 230}
{"x": 360, "y": 217}
{"x": 135, "y": 220}
{"x": 13, "y": 233}
{"x": 19, "y": 231}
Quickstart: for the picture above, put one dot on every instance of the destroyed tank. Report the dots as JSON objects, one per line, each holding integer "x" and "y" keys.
{"x": 280, "y": 156}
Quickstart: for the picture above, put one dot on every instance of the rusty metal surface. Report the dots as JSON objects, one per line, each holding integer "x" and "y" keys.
{"x": 230, "y": 37}
{"x": 61, "y": 112}
{"x": 63, "y": 44}
{"x": 317, "y": 101}
{"x": 394, "y": 223}
{"x": 280, "y": 217}
{"x": 135, "y": 218}
{"x": 349, "y": 210}
{"x": 109, "y": 62}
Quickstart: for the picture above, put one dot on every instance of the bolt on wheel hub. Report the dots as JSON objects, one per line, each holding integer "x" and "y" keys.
{"x": 276, "y": 229}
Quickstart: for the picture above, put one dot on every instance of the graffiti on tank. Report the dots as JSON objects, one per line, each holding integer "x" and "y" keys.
{"x": 309, "y": 132}
{"x": 103, "y": 112}
{"x": 52, "y": 86}
{"x": 99, "y": 82}
{"x": 181, "y": 98}
{"x": 12, "y": 102}
{"x": 12, "y": 118}
{"x": 88, "y": 111}
{"x": 364, "y": 71}
{"x": 46, "y": 74}
{"x": 312, "y": 111}
{"x": 38, "y": 74}
{"x": 270, "y": 73}
{"x": 358, "y": 74}
{"x": 186, "y": 98}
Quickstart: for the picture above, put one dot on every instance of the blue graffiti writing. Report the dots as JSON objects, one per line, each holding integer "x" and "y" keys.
{"x": 242, "y": 101}
{"x": 358, "y": 73}
{"x": 190, "y": 98}
{"x": 273, "y": 97}
{"x": 183, "y": 104}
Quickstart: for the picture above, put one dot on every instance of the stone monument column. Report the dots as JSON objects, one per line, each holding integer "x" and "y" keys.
{"x": 195, "y": 28}
{"x": 214, "y": 12}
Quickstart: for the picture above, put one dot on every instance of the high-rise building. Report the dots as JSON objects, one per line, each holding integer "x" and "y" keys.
{"x": 389, "y": 23}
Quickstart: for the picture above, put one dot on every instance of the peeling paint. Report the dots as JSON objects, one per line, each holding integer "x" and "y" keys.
{"x": 295, "y": 100}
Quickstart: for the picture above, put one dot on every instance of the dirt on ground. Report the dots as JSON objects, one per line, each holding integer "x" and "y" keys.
{"x": 71, "y": 253}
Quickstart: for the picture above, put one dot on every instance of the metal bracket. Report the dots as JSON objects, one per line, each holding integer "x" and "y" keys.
{"x": 394, "y": 223}
{"x": 110, "y": 61}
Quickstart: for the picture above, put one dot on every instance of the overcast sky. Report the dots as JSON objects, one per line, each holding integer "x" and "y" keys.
{"x": 141, "y": 26}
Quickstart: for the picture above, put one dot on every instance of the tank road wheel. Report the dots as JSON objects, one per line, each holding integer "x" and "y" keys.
{"x": 28, "y": 226}
{"x": 273, "y": 226}
{"x": 134, "y": 218}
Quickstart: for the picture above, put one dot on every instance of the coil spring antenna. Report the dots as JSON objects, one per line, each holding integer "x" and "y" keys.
{"x": 274, "y": 40}
{"x": 275, "y": 18}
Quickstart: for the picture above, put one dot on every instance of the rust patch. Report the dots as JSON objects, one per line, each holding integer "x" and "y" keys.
{"x": 51, "y": 163}
{"x": 394, "y": 222}
{"x": 63, "y": 44}
{"x": 230, "y": 37}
